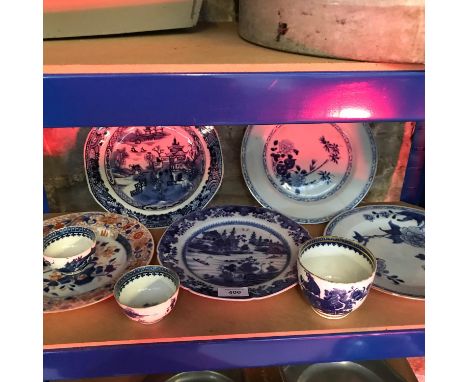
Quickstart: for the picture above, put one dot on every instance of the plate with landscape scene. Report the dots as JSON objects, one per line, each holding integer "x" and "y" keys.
{"x": 155, "y": 174}
{"x": 122, "y": 243}
{"x": 233, "y": 252}
{"x": 395, "y": 234}
{"x": 309, "y": 172}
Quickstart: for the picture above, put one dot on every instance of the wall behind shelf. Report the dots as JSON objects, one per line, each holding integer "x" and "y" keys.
{"x": 67, "y": 190}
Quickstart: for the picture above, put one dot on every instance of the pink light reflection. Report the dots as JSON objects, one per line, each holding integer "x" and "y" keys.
{"x": 352, "y": 113}
{"x": 350, "y": 101}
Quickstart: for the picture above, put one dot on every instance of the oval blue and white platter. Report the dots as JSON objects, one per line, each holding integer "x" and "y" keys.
{"x": 395, "y": 234}
{"x": 155, "y": 174}
{"x": 233, "y": 252}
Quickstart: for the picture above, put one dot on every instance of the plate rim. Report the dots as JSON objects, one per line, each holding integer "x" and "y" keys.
{"x": 350, "y": 206}
{"x": 305, "y": 231}
{"x": 122, "y": 210}
{"x": 150, "y": 256}
{"x": 332, "y": 224}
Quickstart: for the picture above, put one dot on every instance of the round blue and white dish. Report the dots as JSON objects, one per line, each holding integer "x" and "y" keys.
{"x": 309, "y": 172}
{"x": 122, "y": 243}
{"x": 233, "y": 252}
{"x": 395, "y": 234}
{"x": 155, "y": 174}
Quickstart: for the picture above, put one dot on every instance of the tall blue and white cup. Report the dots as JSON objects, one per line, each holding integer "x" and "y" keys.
{"x": 335, "y": 275}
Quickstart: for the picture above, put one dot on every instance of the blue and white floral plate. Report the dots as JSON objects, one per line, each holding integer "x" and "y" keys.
{"x": 395, "y": 235}
{"x": 122, "y": 244}
{"x": 309, "y": 172}
{"x": 155, "y": 174}
{"x": 233, "y": 252}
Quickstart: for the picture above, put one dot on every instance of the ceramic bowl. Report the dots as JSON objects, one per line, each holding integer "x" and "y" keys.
{"x": 147, "y": 294}
{"x": 335, "y": 275}
{"x": 199, "y": 376}
{"x": 69, "y": 249}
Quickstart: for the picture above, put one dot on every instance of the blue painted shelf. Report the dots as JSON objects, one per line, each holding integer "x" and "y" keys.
{"x": 211, "y": 76}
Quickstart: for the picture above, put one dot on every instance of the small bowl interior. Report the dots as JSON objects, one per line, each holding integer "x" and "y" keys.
{"x": 336, "y": 264}
{"x": 147, "y": 291}
{"x": 68, "y": 246}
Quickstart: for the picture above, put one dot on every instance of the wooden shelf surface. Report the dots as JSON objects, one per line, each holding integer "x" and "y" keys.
{"x": 207, "y": 48}
{"x": 199, "y": 318}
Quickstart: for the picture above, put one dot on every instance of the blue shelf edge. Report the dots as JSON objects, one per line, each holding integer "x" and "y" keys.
{"x": 153, "y": 358}
{"x": 84, "y": 100}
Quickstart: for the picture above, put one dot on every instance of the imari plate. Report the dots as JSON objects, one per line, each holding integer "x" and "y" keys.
{"x": 309, "y": 172}
{"x": 122, "y": 244}
{"x": 395, "y": 235}
{"x": 155, "y": 174}
{"x": 233, "y": 252}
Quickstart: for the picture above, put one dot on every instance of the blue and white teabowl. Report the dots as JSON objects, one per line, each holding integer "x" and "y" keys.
{"x": 395, "y": 234}
{"x": 69, "y": 249}
{"x": 155, "y": 174}
{"x": 233, "y": 252}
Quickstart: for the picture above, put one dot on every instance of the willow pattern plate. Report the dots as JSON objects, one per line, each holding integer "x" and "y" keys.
{"x": 122, "y": 244}
{"x": 395, "y": 235}
{"x": 233, "y": 252}
{"x": 155, "y": 174}
{"x": 308, "y": 172}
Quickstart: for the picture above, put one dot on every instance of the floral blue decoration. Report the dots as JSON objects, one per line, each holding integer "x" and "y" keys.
{"x": 393, "y": 230}
{"x": 413, "y": 236}
{"x": 354, "y": 202}
{"x": 334, "y": 301}
{"x": 283, "y": 155}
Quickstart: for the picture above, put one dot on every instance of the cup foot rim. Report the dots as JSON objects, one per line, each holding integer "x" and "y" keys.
{"x": 330, "y": 316}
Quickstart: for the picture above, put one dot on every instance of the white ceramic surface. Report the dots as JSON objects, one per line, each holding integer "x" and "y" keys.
{"x": 69, "y": 249}
{"x": 147, "y": 294}
{"x": 396, "y": 236}
{"x": 309, "y": 172}
{"x": 335, "y": 275}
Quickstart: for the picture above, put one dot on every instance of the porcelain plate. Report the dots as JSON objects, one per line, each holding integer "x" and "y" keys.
{"x": 396, "y": 236}
{"x": 233, "y": 252}
{"x": 155, "y": 174}
{"x": 309, "y": 172}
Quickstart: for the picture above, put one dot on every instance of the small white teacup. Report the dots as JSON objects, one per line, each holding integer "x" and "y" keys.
{"x": 335, "y": 275}
{"x": 69, "y": 249}
{"x": 147, "y": 294}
